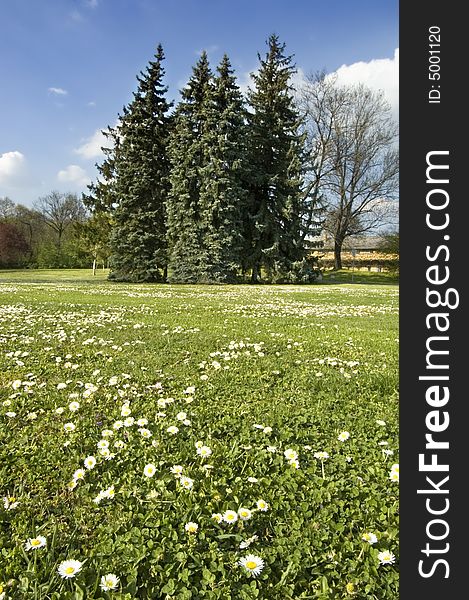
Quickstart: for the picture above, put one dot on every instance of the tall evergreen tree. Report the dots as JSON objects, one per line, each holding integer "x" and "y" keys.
{"x": 140, "y": 181}
{"x": 273, "y": 211}
{"x": 190, "y": 155}
{"x": 222, "y": 192}
{"x": 207, "y": 154}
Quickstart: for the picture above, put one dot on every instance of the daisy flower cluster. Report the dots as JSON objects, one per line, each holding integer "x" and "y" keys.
{"x": 138, "y": 442}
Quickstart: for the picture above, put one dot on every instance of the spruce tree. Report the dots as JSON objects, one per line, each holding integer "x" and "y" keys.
{"x": 141, "y": 180}
{"x": 190, "y": 155}
{"x": 222, "y": 192}
{"x": 272, "y": 224}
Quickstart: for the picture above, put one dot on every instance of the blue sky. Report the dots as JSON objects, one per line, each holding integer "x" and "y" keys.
{"x": 67, "y": 67}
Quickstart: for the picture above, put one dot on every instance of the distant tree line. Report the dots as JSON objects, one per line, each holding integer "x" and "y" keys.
{"x": 225, "y": 186}
{"x": 45, "y": 236}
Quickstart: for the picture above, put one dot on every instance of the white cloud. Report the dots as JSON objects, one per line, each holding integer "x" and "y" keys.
{"x": 91, "y": 3}
{"x": 58, "y": 91}
{"x": 91, "y": 148}
{"x": 378, "y": 74}
{"x": 73, "y": 174}
{"x": 12, "y": 168}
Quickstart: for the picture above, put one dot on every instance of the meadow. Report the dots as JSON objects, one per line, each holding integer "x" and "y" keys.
{"x": 185, "y": 442}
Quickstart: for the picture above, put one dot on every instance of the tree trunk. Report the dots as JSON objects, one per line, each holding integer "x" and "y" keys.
{"x": 94, "y": 267}
{"x": 255, "y": 274}
{"x": 337, "y": 255}
{"x": 165, "y": 274}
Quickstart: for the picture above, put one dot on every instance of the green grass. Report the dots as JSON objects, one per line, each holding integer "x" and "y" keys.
{"x": 351, "y": 276}
{"x": 54, "y": 275}
{"x": 309, "y": 362}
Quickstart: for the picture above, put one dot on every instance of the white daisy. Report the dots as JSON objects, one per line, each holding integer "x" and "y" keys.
{"x": 321, "y": 455}
{"x": 386, "y": 558}
{"x": 106, "y": 453}
{"x": 191, "y": 527}
{"x": 149, "y": 470}
{"x": 262, "y": 505}
{"x": 109, "y": 493}
{"x": 172, "y": 429}
{"x": 109, "y": 582}
{"x": 69, "y": 427}
{"x": 291, "y": 454}
{"x": 69, "y": 568}
{"x": 79, "y": 474}
{"x": 230, "y": 516}
{"x": 253, "y": 564}
{"x": 186, "y": 482}
{"x": 244, "y": 513}
{"x": 90, "y": 462}
{"x": 35, "y": 543}
{"x": 343, "y": 436}
{"x": 177, "y": 470}
{"x": 10, "y": 502}
{"x": 97, "y": 499}
{"x": 204, "y": 451}
{"x": 125, "y": 410}
{"x": 370, "y": 538}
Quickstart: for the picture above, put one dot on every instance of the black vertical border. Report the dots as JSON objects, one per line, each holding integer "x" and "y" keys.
{"x": 426, "y": 127}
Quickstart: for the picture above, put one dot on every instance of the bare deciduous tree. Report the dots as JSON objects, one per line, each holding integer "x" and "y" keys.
{"x": 7, "y": 208}
{"x": 59, "y": 211}
{"x": 353, "y": 158}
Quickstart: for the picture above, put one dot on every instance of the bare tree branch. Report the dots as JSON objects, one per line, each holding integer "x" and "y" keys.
{"x": 59, "y": 211}
{"x": 353, "y": 161}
